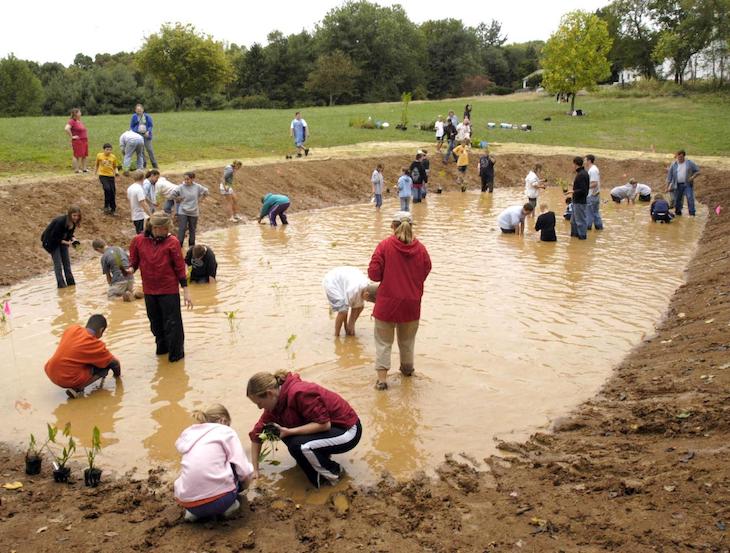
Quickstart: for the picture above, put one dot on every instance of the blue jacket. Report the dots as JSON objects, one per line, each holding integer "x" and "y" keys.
{"x": 405, "y": 184}
{"x": 134, "y": 124}
{"x": 692, "y": 168}
{"x": 271, "y": 200}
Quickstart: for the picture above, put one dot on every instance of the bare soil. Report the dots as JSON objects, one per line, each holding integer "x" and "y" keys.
{"x": 644, "y": 466}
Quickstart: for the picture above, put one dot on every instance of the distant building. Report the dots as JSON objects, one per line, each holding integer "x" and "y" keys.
{"x": 530, "y": 76}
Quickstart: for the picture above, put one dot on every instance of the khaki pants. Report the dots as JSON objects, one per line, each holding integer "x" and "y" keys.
{"x": 117, "y": 289}
{"x": 384, "y": 333}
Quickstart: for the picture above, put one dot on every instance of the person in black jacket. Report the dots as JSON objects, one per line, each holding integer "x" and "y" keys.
{"x": 56, "y": 239}
{"x": 581, "y": 184}
{"x": 546, "y": 224}
{"x": 203, "y": 264}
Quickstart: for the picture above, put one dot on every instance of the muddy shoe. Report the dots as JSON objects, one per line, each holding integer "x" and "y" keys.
{"x": 306, "y": 151}
{"x": 232, "y": 510}
{"x": 190, "y": 517}
{"x": 380, "y": 386}
{"x": 73, "y": 394}
{"x": 407, "y": 370}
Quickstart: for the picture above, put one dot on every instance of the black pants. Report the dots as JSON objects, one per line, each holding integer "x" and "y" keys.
{"x": 166, "y": 324}
{"x": 487, "y": 183}
{"x": 110, "y": 192}
{"x": 662, "y": 217}
{"x": 312, "y": 451}
{"x": 62, "y": 266}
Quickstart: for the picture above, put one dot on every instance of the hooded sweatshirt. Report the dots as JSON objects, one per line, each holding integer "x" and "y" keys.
{"x": 304, "y": 402}
{"x": 209, "y": 452}
{"x": 401, "y": 270}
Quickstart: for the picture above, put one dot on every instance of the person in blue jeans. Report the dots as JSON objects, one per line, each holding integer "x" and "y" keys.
{"x": 405, "y": 188}
{"x": 273, "y": 205}
{"x": 377, "y": 181}
{"x": 680, "y": 182}
{"x": 299, "y": 131}
{"x": 581, "y": 185}
{"x": 593, "y": 213}
{"x": 141, "y": 123}
{"x": 56, "y": 238}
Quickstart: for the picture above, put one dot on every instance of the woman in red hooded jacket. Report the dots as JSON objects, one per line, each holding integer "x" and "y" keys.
{"x": 401, "y": 264}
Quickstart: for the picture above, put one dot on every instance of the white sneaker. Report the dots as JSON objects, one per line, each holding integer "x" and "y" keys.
{"x": 238, "y": 217}
{"x": 233, "y": 220}
{"x": 190, "y": 517}
{"x": 232, "y": 509}
{"x": 73, "y": 394}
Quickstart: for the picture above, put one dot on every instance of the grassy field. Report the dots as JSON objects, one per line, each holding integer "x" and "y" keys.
{"x": 38, "y": 144}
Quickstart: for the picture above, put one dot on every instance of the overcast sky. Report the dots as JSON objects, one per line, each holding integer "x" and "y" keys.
{"x": 55, "y": 30}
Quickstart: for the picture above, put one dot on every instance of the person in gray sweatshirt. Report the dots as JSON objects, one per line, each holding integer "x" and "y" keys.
{"x": 188, "y": 197}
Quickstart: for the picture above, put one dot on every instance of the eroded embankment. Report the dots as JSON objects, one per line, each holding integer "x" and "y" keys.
{"x": 643, "y": 466}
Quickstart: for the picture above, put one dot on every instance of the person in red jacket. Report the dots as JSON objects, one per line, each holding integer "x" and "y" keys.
{"x": 157, "y": 254}
{"x": 82, "y": 358}
{"x": 401, "y": 264}
{"x": 313, "y": 422}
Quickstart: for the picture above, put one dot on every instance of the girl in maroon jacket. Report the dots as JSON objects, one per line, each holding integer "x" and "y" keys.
{"x": 313, "y": 422}
{"x": 401, "y": 264}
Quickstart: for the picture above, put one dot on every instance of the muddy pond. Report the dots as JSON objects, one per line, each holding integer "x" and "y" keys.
{"x": 514, "y": 333}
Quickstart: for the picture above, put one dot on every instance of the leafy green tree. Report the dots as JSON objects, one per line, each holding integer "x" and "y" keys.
{"x": 451, "y": 55}
{"x": 686, "y": 28}
{"x": 333, "y": 75}
{"x": 21, "y": 92}
{"x": 575, "y": 55}
{"x": 185, "y": 61}
{"x": 490, "y": 35}
{"x": 384, "y": 44}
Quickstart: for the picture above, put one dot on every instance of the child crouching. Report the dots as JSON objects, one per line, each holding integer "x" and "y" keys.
{"x": 214, "y": 467}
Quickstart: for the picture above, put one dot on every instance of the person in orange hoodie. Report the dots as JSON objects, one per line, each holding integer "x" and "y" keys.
{"x": 82, "y": 358}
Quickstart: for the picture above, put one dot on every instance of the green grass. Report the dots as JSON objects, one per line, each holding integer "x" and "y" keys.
{"x": 31, "y": 145}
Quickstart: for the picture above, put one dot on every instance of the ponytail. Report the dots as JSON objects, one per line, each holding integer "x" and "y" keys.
{"x": 404, "y": 232}
{"x": 262, "y": 382}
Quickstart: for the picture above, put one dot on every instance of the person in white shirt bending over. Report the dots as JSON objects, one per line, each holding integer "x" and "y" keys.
{"x": 347, "y": 289}
{"x": 512, "y": 219}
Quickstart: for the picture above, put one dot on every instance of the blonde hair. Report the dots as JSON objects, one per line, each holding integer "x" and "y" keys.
{"x": 214, "y": 413}
{"x": 404, "y": 231}
{"x": 236, "y": 163}
{"x": 262, "y": 382}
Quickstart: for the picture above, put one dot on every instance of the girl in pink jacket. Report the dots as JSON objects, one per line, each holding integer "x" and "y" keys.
{"x": 214, "y": 467}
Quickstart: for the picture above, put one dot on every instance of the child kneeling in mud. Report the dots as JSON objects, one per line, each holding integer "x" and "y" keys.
{"x": 214, "y": 467}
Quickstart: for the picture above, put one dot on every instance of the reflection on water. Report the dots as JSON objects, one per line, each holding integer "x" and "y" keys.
{"x": 514, "y": 332}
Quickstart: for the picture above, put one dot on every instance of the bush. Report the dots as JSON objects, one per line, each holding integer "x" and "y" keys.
{"x": 497, "y": 90}
{"x": 362, "y": 123}
{"x": 429, "y": 126}
{"x": 256, "y": 101}
{"x": 476, "y": 85}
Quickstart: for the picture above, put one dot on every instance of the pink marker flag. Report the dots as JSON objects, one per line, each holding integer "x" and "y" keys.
{"x": 6, "y": 308}
{"x": 718, "y": 209}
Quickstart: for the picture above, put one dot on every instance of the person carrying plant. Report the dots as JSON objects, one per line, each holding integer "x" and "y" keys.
{"x": 313, "y": 422}
{"x": 462, "y": 164}
{"x": 401, "y": 264}
{"x": 81, "y": 358}
{"x": 273, "y": 205}
{"x": 214, "y": 467}
{"x": 347, "y": 288}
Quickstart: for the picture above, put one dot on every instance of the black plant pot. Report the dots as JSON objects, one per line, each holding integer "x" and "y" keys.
{"x": 61, "y": 474}
{"x": 92, "y": 477}
{"x": 33, "y": 465}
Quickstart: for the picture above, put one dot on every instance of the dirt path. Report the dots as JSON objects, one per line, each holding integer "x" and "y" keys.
{"x": 644, "y": 466}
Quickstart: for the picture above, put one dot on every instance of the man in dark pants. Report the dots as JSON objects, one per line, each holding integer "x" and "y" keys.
{"x": 157, "y": 254}
{"x": 581, "y": 184}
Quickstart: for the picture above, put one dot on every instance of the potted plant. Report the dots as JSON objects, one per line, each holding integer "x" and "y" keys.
{"x": 92, "y": 475}
{"x": 61, "y": 456}
{"x": 33, "y": 459}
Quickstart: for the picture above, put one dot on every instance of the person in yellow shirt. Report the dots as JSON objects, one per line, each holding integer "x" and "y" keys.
{"x": 106, "y": 168}
{"x": 462, "y": 163}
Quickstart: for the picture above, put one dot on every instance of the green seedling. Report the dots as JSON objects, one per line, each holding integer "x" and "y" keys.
{"x": 63, "y": 453}
{"x": 269, "y": 445}
{"x": 33, "y": 451}
{"x": 290, "y": 341}
{"x": 95, "y": 447}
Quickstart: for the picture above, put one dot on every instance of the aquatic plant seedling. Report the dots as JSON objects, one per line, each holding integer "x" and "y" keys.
{"x": 61, "y": 456}
{"x": 92, "y": 475}
{"x": 269, "y": 444}
{"x": 33, "y": 459}
{"x": 231, "y": 315}
{"x": 290, "y": 341}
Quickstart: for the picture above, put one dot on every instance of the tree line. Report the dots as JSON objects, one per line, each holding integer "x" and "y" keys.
{"x": 359, "y": 52}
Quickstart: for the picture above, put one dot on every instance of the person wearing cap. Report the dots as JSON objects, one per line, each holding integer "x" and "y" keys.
{"x": 680, "y": 182}
{"x": 347, "y": 288}
{"x": 273, "y": 205}
{"x": 401, "y": 264}
{"x": 156, "y": 253}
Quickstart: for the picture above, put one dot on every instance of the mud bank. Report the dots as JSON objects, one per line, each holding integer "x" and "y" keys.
{"x": 641, "y": 467}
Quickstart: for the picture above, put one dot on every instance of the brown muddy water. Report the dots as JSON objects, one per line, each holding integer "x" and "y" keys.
{"x": 514, "y": 333}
